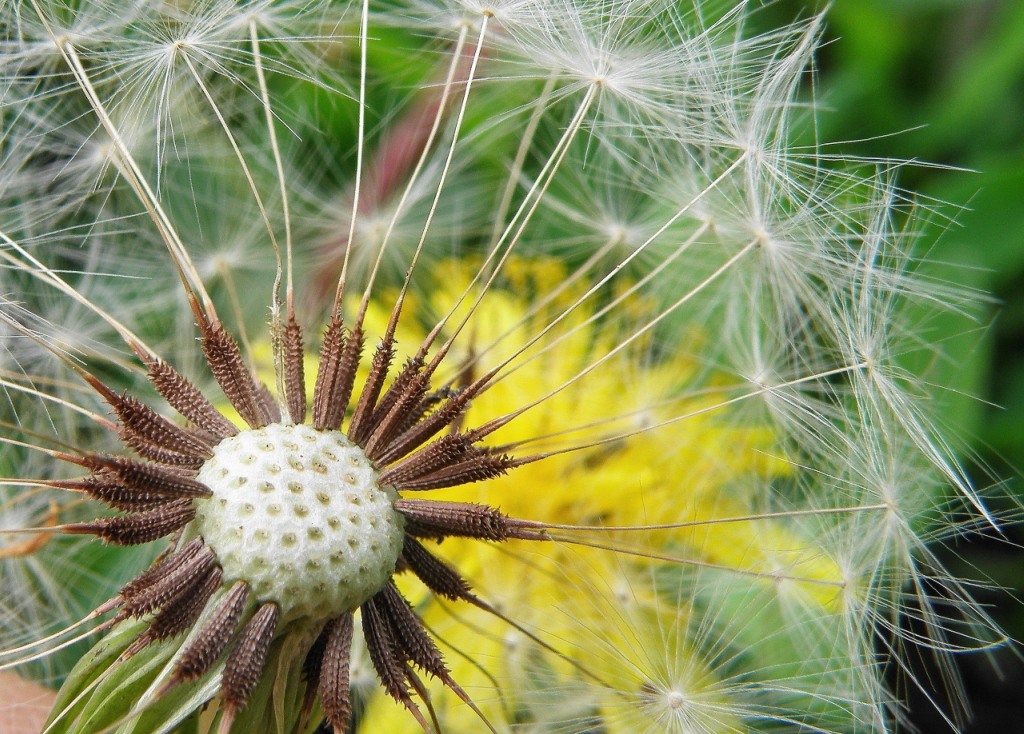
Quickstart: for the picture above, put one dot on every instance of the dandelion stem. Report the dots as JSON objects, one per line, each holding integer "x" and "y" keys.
{"x": 364, "y": 21}
{"x": 683, "y": 561}
{"x": 515, "y": 170}
{"x": 414, "y": 176}
{"x": 601, "y": 282}
{"x": 226, "y": 275}
{"x": 522, "y": 217}
{"x": 618, "y": 437}
{"x": 276, "y": 327}
{"x": 448, "y": 158}
{"x": 275, "y": 149}
{"x": 43, "y": 395}
{"x": 67, "y": 643}
{"x": 721, "y": 520}
{"x": 241, "y": 160}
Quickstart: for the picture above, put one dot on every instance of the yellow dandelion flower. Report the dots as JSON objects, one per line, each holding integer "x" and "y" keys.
{"x": 677, "y": 477}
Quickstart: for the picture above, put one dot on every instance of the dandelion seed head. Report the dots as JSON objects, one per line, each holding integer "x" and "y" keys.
{"x": 580, "y": 272}
{"x": 278, "y": 519}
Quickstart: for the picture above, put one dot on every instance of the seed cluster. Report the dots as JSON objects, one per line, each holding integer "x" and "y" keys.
{"x": 299, "y": 515}
{"x": 286, "y": 521}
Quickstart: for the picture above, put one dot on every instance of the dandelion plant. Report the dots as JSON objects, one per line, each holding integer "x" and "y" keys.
{"x": 460, "y": 367}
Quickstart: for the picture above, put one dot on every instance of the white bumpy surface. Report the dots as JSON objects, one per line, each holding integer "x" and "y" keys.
{"x": 298, "y": 514}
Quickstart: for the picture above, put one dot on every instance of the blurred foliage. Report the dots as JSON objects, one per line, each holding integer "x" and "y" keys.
{"x": 943, "y": 82}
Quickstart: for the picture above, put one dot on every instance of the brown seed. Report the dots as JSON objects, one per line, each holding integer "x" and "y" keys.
{"x": 409, "y": 634}
{"x": 449, "y": 412}
{"x": 213, "y": 637}
{"x": 185, "y": 398}
{"x": 233, "y": 376}
{"x": 392, "y": 412}
{"x": 443, "y": 452}
{"x": 362, "y": 424}
{"x": 294, "y": 371}
{"x": 389, "y": 661}
{"x": 438, "y": 576}
{"x": 244, "y": 666}
{"x": 339, "y": 360}
{"x": 179, "y": 615}
{"x": 181, "y": 580}
{"x": 439, "y": 519}
{"x": 139, "y": 527}
{"x": 134, "y": 486}
{"x": 160, "y": 569}
{"x": 334, "y": 687}
{"x": 478, "y": 465}
{"x": 157, "y": 438}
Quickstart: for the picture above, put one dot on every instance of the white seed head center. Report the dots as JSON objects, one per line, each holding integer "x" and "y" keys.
{"x": 298, "y": 514}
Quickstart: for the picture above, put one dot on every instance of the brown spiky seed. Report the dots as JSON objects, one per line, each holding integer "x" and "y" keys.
{"x": 334, "y": 686}
{"x": 160, "y": 569}
{"x": 233, "y": 376}
{"x": 186, "y": 398}
{"x": 409, "y": 635}
{"x": 245, "y": 663}
{"x": 157, "y": 438}
{"x": 440, "y": 519}
{"x": 180, "y": 615}
{"x": 294, "y": 371}
{"x": 339, "y": 360}
{"x": 139, "y": 527}
{"x": 213, "y": 637}
{"x": 181, "y": 580}
{"x": 438, "y": 576}
{"x": 380, "y": 644}
{"x": 479, "y": 464}
{"x": 361, "y": 425}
